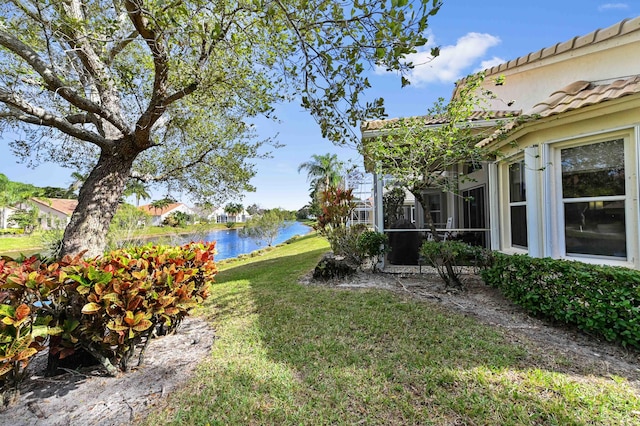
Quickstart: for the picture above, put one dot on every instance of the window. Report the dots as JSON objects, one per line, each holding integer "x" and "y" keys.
{"x": 474, "y": 214}
{"x": 436, "y": 206}
{"x": 518, "y": 205}
{"x": 593, "y": 197}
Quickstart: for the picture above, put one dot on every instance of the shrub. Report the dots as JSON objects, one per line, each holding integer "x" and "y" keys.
{"x": 449, "y": 258}
{"x": 127, "y": 294}
{"x": 344, "y": 241}
{"x": 107, "y": 306}
{"x": 372, "y": 245}
{"x": 23, "y": 326}
{"x": 603, "y": 300}
{"x": 331, "y": 267}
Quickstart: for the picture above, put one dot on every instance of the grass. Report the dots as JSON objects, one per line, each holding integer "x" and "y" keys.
{"x": 288, "y": 354}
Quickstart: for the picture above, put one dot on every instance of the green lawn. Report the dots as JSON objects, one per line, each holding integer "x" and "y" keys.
{"x": 288, "y": 354}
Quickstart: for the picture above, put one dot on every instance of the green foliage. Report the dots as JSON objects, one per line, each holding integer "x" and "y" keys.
{"x": 264, "y": 228}
{"x": 51, "y": 240}
{"x": 344, "y": 242}
{"x": 392, "y": 201}
{"x": 172, "y": 102}
{"x": 25, "y": 218}
{"x": 11, "y": 231}
{"x": 230, "y": 225}
{"x": 124, "y": 227}
{"x": 372, "y": 245}
{"x": 233, "y": 209}
{"x": 177, "y": 220}
{"x": 603, "y": 300}
{"x": 107, "y": 306}
{"x": 323, "y": 172}
{"x": 450, "y": 258}
{"x": 417, "y": 166}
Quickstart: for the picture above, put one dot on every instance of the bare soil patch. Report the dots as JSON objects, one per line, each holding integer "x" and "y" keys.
{"x": 87, "y": 397}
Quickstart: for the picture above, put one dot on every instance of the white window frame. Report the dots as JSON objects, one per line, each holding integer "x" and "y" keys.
{"x": 628, "y": 197}
{"x": 508, "y": 246}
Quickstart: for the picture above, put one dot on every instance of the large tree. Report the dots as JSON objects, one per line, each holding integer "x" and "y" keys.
{"x": 162, "y": 90}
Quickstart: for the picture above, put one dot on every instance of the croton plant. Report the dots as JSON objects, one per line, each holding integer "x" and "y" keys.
{"x": 109, "y": 306}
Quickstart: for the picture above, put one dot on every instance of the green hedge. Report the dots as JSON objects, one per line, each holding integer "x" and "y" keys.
{"x": 603, "y": 300}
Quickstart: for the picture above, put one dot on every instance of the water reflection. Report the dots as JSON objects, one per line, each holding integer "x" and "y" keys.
{"x": 230, "y": 244}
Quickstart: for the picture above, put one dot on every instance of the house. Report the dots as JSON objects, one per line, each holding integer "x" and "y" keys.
{"x": 5, "y": 214}
{"x": 221, "y": 216}
{"x": 159, "y": 214}
{"x": 565, "y": 183}
{"x": 54, "y": 213}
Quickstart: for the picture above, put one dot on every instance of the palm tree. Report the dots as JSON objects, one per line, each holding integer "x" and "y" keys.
{"x": 323, "y": 171}
{"x": 137, "y": 189}
{"x": 233, "y": 209}
{"x": 78, "y": 181}
{"x": 161, "y": 204}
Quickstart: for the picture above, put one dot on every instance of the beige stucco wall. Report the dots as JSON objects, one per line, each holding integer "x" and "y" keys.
{"x": 531, "y": 83}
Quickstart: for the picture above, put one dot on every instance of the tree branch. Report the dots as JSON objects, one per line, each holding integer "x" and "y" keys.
{"x": 23, "y": 111}
{"x": 55, "y": 84}
{"x": 119, "y": 47}
{"x": 155, "y": 109}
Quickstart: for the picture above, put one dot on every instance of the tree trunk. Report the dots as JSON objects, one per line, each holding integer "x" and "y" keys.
{"x": 97, "y": 204}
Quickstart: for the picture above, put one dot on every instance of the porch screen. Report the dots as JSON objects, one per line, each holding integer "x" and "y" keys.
{"x": 518, "y": 205}
{"x": 593, "y": 194}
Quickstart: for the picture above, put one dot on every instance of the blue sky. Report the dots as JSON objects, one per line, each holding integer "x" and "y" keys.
{"x": 472, "y": 35}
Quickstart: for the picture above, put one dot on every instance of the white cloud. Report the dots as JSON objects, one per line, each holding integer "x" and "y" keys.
{"x": 453, "y": 60}
{"x": 609, "y": 6}
{"x": 488, "y": 63}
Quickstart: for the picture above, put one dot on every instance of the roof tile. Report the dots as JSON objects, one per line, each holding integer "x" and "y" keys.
{"x": 576, "y": 95}
{"x": 431, "y": 120}
{"x": 616, "y": 30}
{"x": 582, "y": 93}
{"x": 63, "y": 205}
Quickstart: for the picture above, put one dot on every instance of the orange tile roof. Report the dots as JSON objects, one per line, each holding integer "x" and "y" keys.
{"x": 576, "y": 95}
{"x": 616, "y": 30}
{"x": 431, "y": 120}
{"x": 149, "y": 209}
{"x": 63, "y": 205}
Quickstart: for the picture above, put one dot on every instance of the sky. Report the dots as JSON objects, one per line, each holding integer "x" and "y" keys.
{"x": 472, "y": 35}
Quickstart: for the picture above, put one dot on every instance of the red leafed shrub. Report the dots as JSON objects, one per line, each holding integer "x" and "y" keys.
{"x": 24, "y": 325}
{"x": 129, "y": 294}
{"x": 109, "y": 306}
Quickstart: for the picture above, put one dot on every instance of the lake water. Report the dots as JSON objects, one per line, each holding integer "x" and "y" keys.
{"x": 230, "y": 244}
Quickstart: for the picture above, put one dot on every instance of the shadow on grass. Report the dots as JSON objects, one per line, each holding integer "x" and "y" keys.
{"x": 294, "y": 354}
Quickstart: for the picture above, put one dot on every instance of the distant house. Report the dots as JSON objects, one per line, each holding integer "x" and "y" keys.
{"x": 54, "y": 213}
{"x": 566, "y": 181}
{"x": 158, "y": 215}
{"x": 5, "y": 214}
{"x": 220, "y": 216}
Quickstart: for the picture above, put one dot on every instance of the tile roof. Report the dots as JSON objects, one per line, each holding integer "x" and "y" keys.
{"x": 431, "y": 120}
{"x": 583, "y": 93}
{"x": 576, "y": 95}
{"x": 63, "y": 205}
{"x": 616, "y": 30}
{"x": 149, "y": 209}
